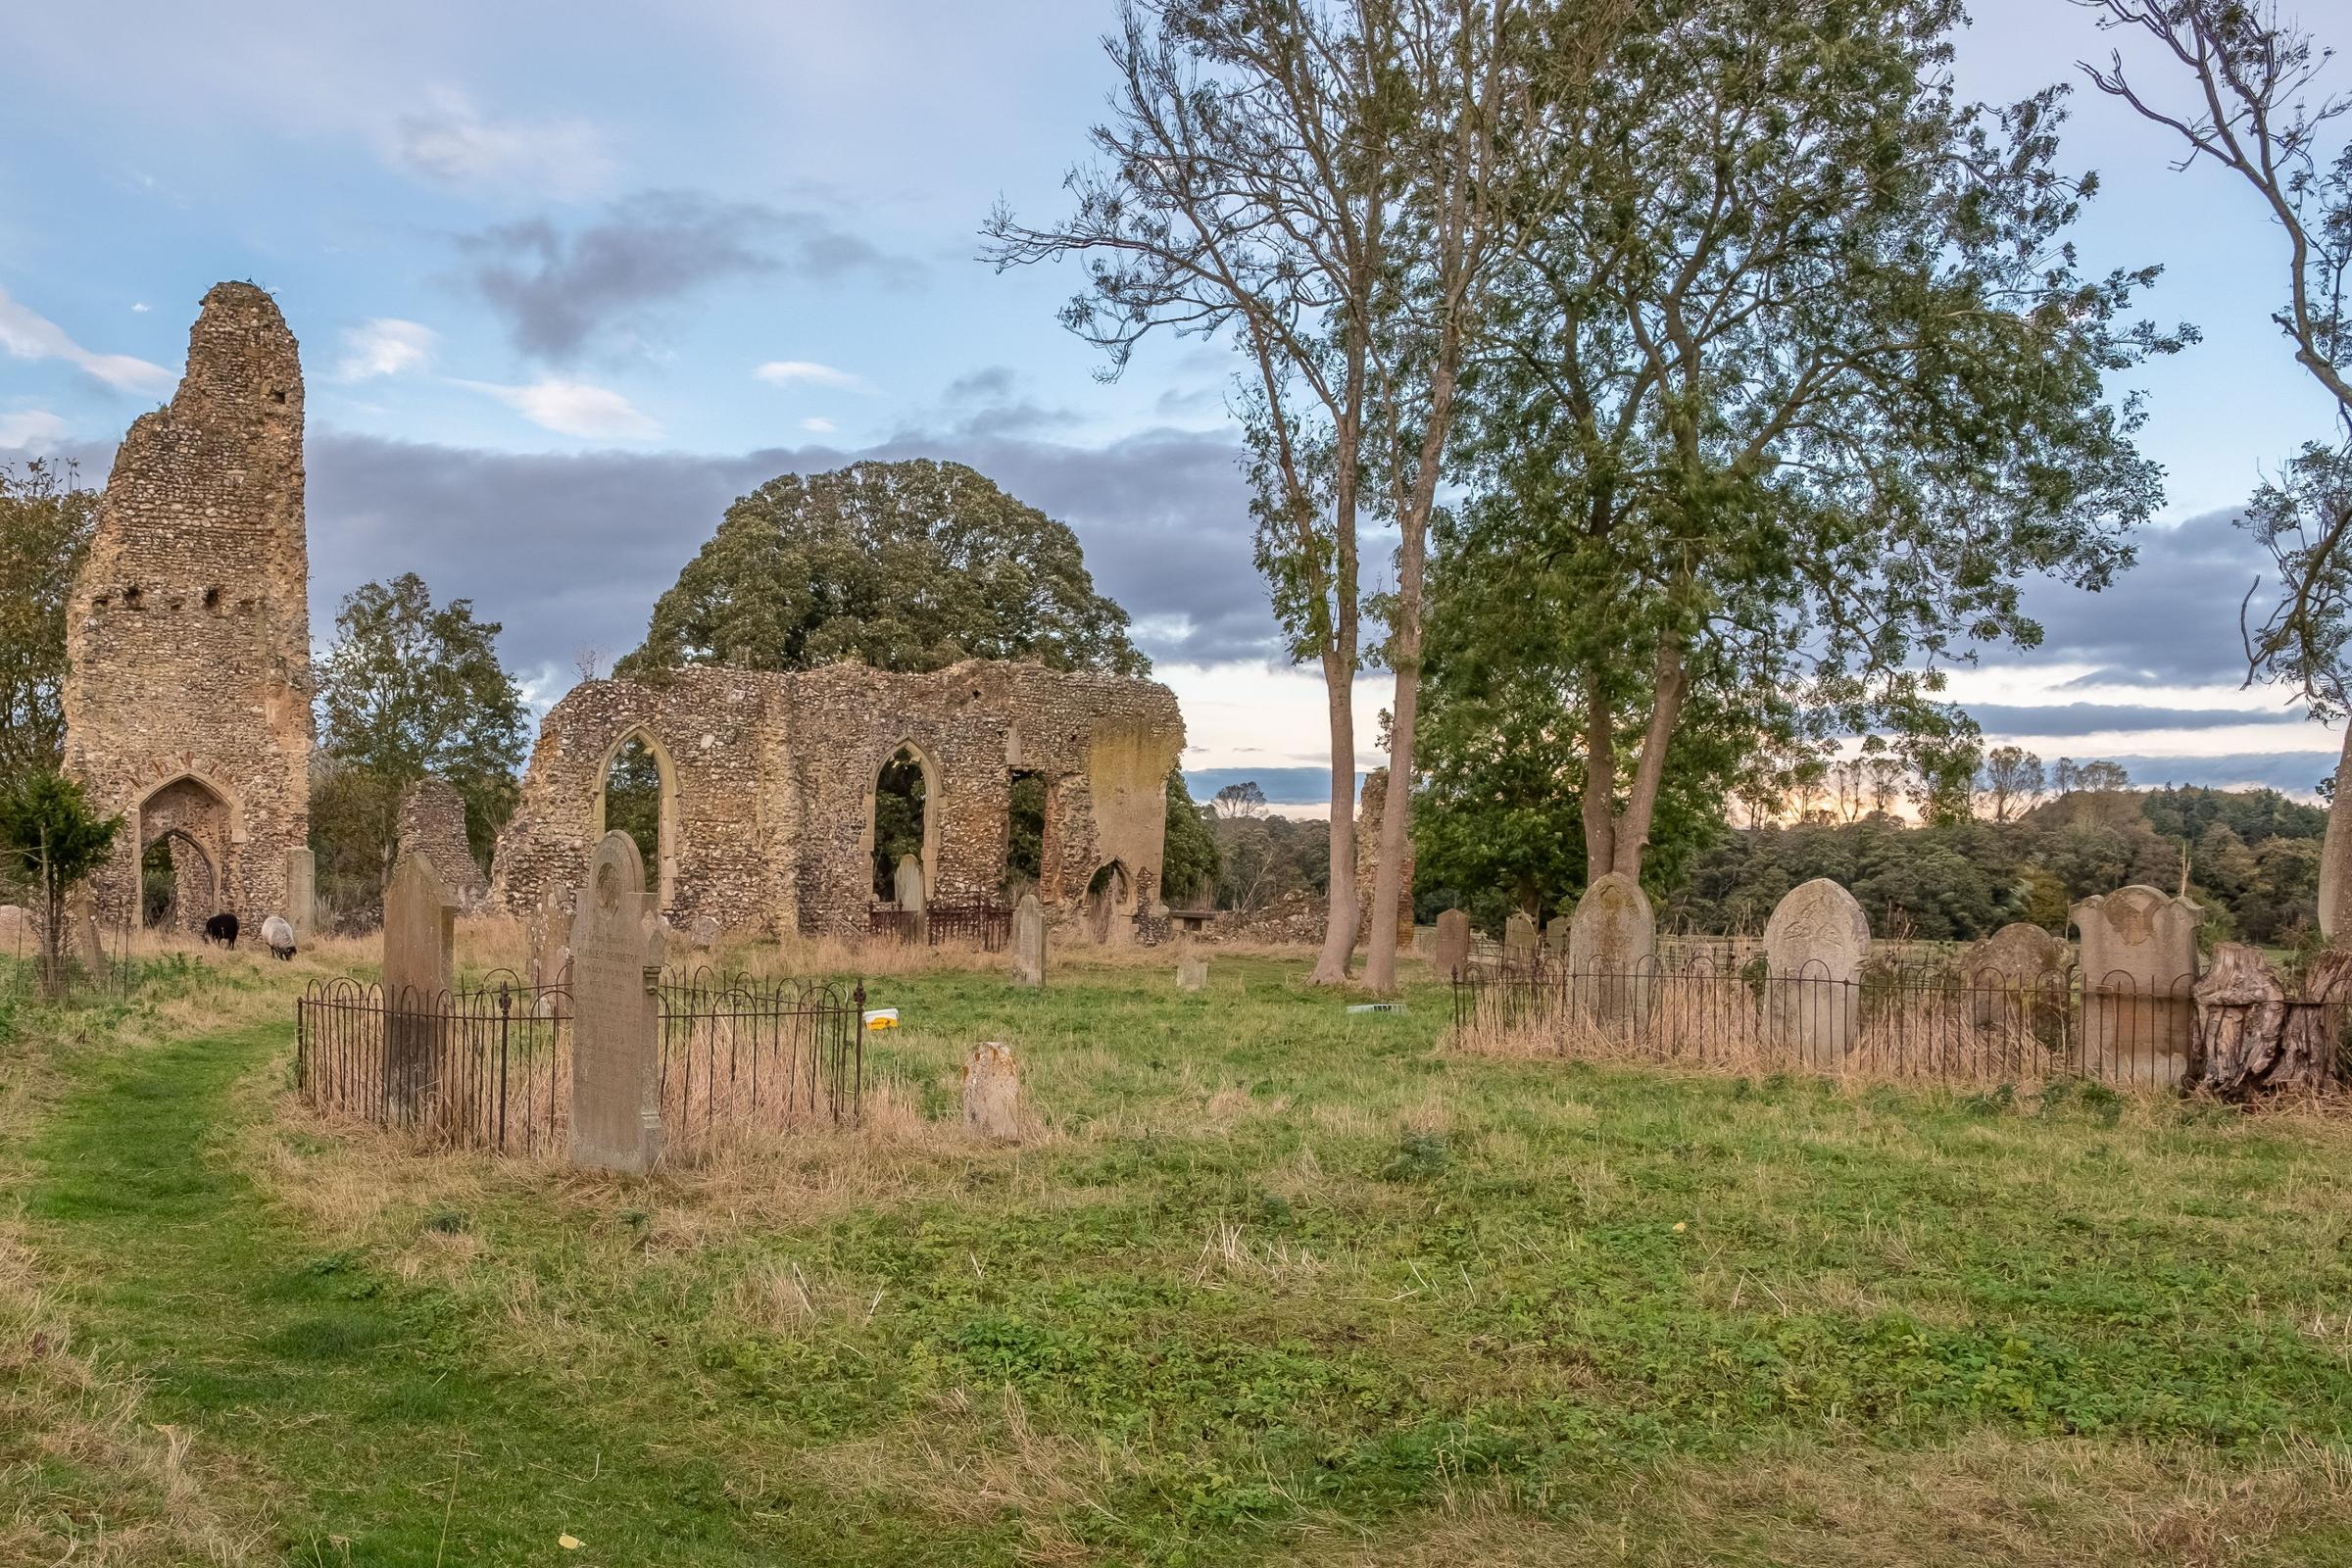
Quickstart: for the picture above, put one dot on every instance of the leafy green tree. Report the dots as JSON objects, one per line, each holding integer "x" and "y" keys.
{"x": 2254, "y": 107}
{"x": 409, "y": 690}
{"x": 45, "y": 525}
{"x": 1191, "y": 863}
{"x": 52, "y": 840}
{"x": 1800, "y": 384}
{"x": 902, "y": 566}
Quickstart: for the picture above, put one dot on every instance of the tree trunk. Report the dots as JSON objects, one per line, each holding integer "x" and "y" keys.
{"x": 2336, "y": 850}
{"x": 1339, "y": 929}
{"x": 1614, "y": 840}
{"x": 1397, "y": 818}
{"x": 2251, "y": 1039}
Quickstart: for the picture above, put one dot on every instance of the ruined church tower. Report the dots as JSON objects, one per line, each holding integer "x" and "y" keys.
{"x": 187, "y": 693}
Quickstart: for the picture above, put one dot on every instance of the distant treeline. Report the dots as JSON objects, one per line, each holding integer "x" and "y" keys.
{"x": 2252, "y": 856}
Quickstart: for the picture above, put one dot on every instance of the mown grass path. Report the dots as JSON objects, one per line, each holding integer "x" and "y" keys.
{"x": 347, "y": 1405}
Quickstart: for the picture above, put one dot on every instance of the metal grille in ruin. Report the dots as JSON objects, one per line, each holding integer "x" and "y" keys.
{"x": 490, "y": 1067}
{"x": 986, "y": 926}
{"x": 1924, "y": 1022}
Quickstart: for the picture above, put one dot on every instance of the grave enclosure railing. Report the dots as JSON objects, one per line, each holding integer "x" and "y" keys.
{"x": 490, "y": 1067}
{"x": 1924, "y": 1022}
{"x": 983, "y": 925}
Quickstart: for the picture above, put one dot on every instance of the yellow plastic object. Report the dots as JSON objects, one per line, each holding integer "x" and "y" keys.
{"x": 882, "y": 1018}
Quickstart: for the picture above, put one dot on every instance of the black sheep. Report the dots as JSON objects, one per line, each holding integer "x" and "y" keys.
{"x": 221, "y": 928}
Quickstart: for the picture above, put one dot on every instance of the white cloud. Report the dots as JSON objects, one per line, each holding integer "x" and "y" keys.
{"x": 29, "y": 335}
{"x": 140, "y": 308}
{"x": 385, "y": 346}
{"x": 818, "y": 425}
{"x": 808, "y": 372}
{"x": 452, "y": 142}
{"x": 31, "y": 430}
{"x": 574, "y": 407}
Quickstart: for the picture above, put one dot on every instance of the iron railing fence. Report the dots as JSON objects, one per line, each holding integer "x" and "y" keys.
{"x": 490, "y": 1067}
{"x": 1913, "y": 1021}
{"x": 979, "y": 924}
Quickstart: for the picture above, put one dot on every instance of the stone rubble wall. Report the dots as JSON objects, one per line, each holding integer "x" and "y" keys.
{"x": 187, "y": 698}
{"x": 432, "y": 823}
{"x": 768, "y": 783}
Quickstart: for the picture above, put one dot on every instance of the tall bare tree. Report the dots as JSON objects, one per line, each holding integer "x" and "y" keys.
{"x": 2256, "y": 108}
{"x": 2012, "y": 782}
{"x": 1319, "y": 180}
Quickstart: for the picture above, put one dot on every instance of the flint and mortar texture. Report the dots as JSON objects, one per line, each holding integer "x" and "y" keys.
{"x": 768, "y": 783}
{"x": 432, "y": 823}
{"x": 188, "y": 696}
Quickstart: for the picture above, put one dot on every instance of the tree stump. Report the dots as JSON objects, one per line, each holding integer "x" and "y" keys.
{"x": 2253, "y": 1039}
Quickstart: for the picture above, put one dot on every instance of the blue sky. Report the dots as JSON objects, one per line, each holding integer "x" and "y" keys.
{"x": 569, "y": 278}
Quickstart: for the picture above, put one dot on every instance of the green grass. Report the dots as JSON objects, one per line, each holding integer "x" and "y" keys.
{"x": 1273, "y": 1283}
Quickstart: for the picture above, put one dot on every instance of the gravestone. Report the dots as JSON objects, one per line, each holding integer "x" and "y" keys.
{"x": 1555, "y": 939}
{"x": 1453, "y": 945}
{"x": 2139, "y": 963}
{"x": 1191, "y": 974}
{"x": 420, "y": 919}
{"x": 301, "y": 893}
{"x": 906, "y": 884}
{"x": 617, "y": 942}
{"x": 1029, "y": 941}
{"x": 992, "y": 1091}
{"x": 1519, "y": 943}
{"x": 703, "y": 934}
{"x": 2017, "y": 979}
{"x": 1612, "y": 952}
{"x": 1814, "y": 948}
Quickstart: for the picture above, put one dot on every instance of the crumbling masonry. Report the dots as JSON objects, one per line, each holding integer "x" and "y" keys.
{"x": 187, "y": 693}
{"x": 768, "y": 782}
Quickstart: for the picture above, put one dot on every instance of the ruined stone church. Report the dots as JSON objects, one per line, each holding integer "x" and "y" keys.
{"x": 187, "y": 694}
{"x": 188, "y": 708}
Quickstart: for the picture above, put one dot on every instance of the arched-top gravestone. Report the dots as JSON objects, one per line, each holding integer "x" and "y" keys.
{"x": 1519, "y": 943}
{"x": 617, "y": 943}
{"x": 2139, "y": 966}
{"x": 2017, "y": 977}
{"x": 1453, "y": 957}
{"x": 1612, "y": 952}
{"x": 1814, "y": 948}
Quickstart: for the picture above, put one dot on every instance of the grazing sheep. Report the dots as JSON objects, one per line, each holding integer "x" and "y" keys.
{"x": 280, "y": 934}
{"x": 221, "y": 928}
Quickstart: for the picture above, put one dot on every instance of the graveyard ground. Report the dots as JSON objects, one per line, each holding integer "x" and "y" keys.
{"x": 1272, "y": 1284}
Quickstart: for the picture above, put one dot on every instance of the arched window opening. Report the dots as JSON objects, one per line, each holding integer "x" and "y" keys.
{"x": 639, "y": 799}
{"x": 157, "y": 892}
{"x": 187, "y": 856}
{"x": 901, "y": 821}
{"x": 177, "y": 887}
{"x": 1024, "y": 834}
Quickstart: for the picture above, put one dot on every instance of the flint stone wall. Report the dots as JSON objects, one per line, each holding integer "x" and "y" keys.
{"x": 432, "y": 823}
{"x": 187, "y": 696}
{"x": 769, "y": 785}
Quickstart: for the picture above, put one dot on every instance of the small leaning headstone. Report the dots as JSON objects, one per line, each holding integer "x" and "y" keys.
{"x": 617, "y": 943}
{"x": 1192, "y": 973}
{"x": 992, "y": 1091}
{"x": 1519, "y": 943}
{"x": 1453, "y": 945}
{"x": 1029, "y": 942}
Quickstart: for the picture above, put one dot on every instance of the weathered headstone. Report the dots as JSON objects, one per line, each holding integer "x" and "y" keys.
{"x": 992, "y": 1091}
{"x": 906, "y": 884}
{"x": 1519, "y": 943}
{"x": 2139, "y": 963}
{"x": 1555, "y": 939}
{"x": 617, "y": 942}
{"x": 703, "y": 934}
{"x": 1191, "y": 974}
{"x": 1029, "y": 941}
{"x": 1453, "y": 945}
{"x": 1612, "y": 952}
{"x": 301, "y": 893}
{"x": 420, "y": 917}
{"x": 2017, "y": 978}
{"x": 1814, "y": 948}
